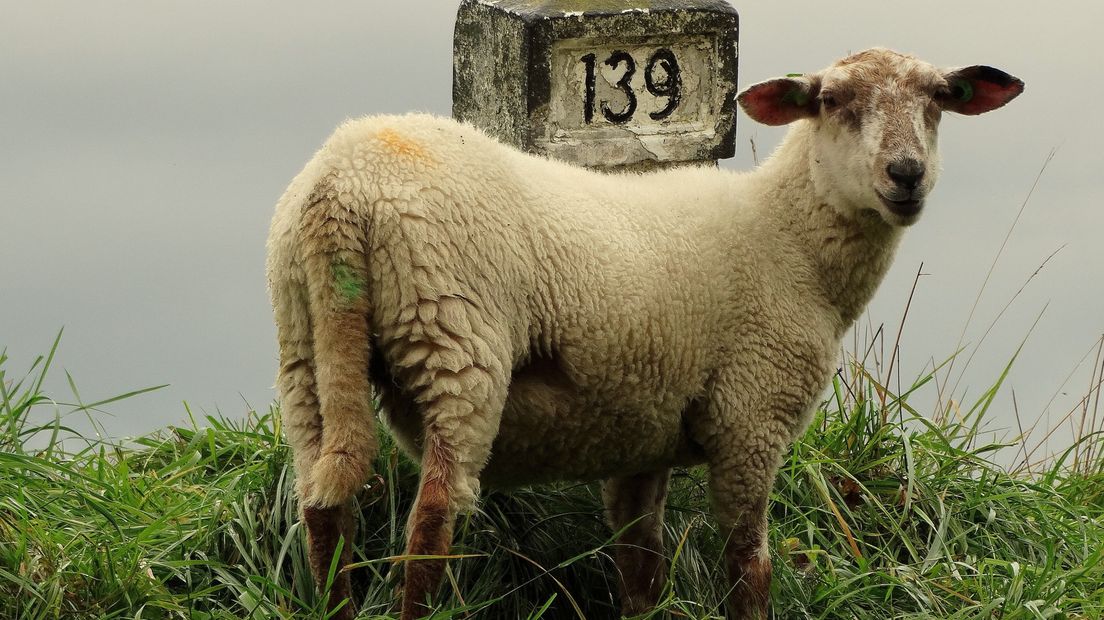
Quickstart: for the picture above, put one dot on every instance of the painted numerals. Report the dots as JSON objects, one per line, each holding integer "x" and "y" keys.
{"x": 662, "y": 79}
{"x": 642, "y": 98}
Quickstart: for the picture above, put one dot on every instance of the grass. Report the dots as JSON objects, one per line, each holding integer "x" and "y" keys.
{"x": 879, "y": 512}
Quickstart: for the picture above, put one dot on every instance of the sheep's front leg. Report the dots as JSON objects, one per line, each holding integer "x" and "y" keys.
{"x": 638, "y": 500}
{"x": 746, "y": 557}
{"x": 744, "y": 447}
{"x": 740, "y": 480}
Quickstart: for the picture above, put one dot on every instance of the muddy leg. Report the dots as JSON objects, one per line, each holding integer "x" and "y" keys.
{"x": 748, "y": 564}
{"x": 429, "y": 531}
{"x": 299, "y": 406}
{"x": 455, "y": 448}
{"x": 740, "y": 487}
{"x": 343, "y": 452}
{"x": 744, "y": 446}
{"x": 453, "y": 364}
{"x": 641, "y": 564}
{"x": 325, "y": 527}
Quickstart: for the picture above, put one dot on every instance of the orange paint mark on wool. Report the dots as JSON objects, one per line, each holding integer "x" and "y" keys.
{"x": 397, "y": 144}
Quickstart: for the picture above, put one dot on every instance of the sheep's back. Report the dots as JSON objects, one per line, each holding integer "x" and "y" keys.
{"x": 597, "y": 296}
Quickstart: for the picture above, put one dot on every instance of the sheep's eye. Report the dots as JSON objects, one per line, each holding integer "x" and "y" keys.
{"x": 829, "y": 101}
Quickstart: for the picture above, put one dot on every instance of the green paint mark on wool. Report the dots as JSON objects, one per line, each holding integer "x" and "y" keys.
{"x": 348, "y": 284}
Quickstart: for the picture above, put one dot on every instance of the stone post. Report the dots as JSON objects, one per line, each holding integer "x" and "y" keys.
{"x": 608, "y": 84}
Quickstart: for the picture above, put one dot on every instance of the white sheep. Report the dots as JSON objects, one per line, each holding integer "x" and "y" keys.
{"x": 523, "y": 320}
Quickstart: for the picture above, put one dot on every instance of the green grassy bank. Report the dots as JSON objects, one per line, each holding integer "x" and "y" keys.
{"x": 878, "y": 512}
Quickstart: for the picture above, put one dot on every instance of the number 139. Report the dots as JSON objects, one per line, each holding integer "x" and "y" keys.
{"x": 670, "y": 86}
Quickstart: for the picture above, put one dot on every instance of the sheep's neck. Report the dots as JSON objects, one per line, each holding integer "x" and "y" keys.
{"x": 851, "y": 252}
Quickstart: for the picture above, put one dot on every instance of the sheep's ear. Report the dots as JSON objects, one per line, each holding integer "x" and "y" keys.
{"x": 978, "y": 89}
{"x": 781, "y": 100}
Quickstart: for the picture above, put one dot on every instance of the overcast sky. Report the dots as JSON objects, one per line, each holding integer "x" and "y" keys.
{"x": 143, "y": 145}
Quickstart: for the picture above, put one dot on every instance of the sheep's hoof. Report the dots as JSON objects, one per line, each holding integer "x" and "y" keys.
{"x": 336, "y": 477}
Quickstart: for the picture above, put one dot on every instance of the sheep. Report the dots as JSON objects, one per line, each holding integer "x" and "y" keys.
{"x": 522, "y": 320}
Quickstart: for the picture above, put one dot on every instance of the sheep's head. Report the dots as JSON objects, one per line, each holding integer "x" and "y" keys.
{"x": 874, "y": 116}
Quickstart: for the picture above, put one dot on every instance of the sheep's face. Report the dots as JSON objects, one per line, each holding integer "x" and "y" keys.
{"x": 875, "y": 117}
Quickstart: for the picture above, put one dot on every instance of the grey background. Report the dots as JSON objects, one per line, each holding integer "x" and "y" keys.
{"x": 143, "y": 144}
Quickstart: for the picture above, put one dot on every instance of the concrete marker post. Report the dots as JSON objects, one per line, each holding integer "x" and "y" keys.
{"x": 607, "y": 84}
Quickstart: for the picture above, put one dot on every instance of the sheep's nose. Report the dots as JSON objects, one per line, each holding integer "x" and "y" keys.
{"x": 906, "y": 173}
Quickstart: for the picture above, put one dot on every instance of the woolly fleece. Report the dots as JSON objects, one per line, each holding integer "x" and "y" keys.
{"x": 523, "y": 320}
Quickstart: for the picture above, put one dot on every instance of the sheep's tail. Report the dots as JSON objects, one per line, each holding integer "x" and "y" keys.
{"x": 332, "y": 246}
{"x": 295, "y": 382}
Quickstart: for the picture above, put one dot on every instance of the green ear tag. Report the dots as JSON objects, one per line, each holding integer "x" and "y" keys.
{"x": 962, "y": 90}
{"x": 796, "y": 96}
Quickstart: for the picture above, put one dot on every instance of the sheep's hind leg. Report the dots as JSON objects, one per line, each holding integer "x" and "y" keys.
{"x": 449, "y": 484}
{"x": 339, "y": 314}
{"x": 460, "y": 389}
{"x": 429, "y": 529}
{"x": 325, "y": 527}
{"x": 638, "y": 500}
{"x": 303, "y": 426}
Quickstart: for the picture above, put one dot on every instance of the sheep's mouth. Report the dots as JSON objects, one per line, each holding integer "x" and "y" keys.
{"x": 904, "y": 208}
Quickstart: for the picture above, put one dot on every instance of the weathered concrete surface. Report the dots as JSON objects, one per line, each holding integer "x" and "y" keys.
{"x": 606, "y": 83}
